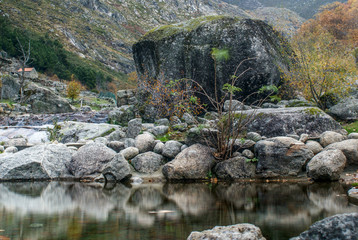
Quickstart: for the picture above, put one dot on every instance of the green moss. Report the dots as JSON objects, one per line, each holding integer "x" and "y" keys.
{"x": 352, "y": 127}
{"x": 313, "y": 111}
{"x": 108, "y": 132}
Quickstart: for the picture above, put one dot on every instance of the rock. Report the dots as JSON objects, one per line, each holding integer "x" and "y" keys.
{"x": 304, "y": 138}
{"x": 10, "y": 88}
{"x": 241, "y": 144}
{"x": 116, "y": 145}
{"x": 314, "y": 146}
{"x": 158, "y": 148}
{"x": 294, "y": 136}
{"x": 205, "y": 136}
{"x": 353, "y": 194}
{"x": 116, "y": 135}
{"x": 281, "y": 156}
{"x": 235, "y": 106}
{"x": 117, "y": 170}
{"x": 101, "y": 140}
{"x": 253, "y": 136}
{"x": 329, "y": 137}
{"x": 2, "y": 148}
{"x": 274, "y": 122}
{"x": 46, "y": 161}
{"x": 144, "y": 142}
{"x": 248, "y": 154}
{"x": 122, "y": 115}
{"x": 129, "y": 142}
{"x": 189, "y": 119}
{"x": 349, "y": 149}
{"x": 85, "y": 109}
{"x": 243, "y": 231}
{"x": 162, "y": 121}
{"x": 11, "y": 149}
{"x": 43, "y": 100}
{"x": 125, "y": 97}
{"x": 326, "y": 166}
{"x": 134, "y": 127}
{"x": 171, "y": 149}
{"x": 74, "y": 131}
{"x": 17, "y": 142}
{"x": 341, "y": 226}
{"x": 235, "y": 168}
{"x": 353, "y": 136}
{"x": 147, "y": 162}
{"x": 184, "y": 147}
{"x": 346, "y": 109}
{"x": 90, "y": 159}
{"x": 194, "y": 162}
{"x": 160, "y": 53}
{"x": 182, "y": 127}
{"x": 174, "y": 120}
{"x": 159, "y": 130}
{"x": 130, "y": 152}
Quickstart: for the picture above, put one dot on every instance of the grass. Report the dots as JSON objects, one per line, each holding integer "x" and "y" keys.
{"x": 352, "y": 127}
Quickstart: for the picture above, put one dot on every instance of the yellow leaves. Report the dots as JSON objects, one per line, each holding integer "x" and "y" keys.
{"x": 73, "y": 89}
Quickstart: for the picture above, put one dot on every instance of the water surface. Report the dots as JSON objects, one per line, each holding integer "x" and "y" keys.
{"x": 162, "y": 211}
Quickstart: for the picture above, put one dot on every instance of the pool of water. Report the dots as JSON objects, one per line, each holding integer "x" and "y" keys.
{"x": 62, "y": 210}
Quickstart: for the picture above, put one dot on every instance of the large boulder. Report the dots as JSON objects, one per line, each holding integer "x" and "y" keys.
{"x": 35, "y": 163}
{"x": 243, "y": 231}
{"x": 171, "y": 149}
{"x": 327, "y": 165}
{"x": 281, "y": 156}
{"x": 44, "y": 100}
{"x": 116, "y": 170}
{"x": 145, "y": 142}
{"x": 148, "y": 162}
{"x": 184, "y": 50}
{"x": 234, "y": 168}
{"x": 90, "y": 160}
{"x": 121, "y": 115}
{"x": 10, "y": 88}
{"x": 274, "y": 122}
{"x": 194, "y": 162}
{"x": 341, "y": 226}
{"x": 349, "y": 148}
{"x": 346, "y": 110}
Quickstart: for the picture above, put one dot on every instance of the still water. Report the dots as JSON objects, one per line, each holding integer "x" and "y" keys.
{"x": 162, "y": 211}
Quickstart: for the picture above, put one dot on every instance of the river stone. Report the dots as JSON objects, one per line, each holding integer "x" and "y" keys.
{"x": 147, "y": 162}
{"x": 46, "y": 161}
{"x": 117, "y": 135}
{"x": 353, "y": 135}
{"x": 242, "y": 231}
{"x": 349, "y": 149}
{"x": 326, "y": 166}
{"x": 304, "y": 137}
{"x": 341, "y": 226}
{"x": 116, "y": 145}
{"x": 281, "y": 156}
{"x": 158, "y": 147}
{"x": 117, "y": 170}
{"x": 134, "y": 127}
{"x": 43, "y": 100}
{"x": 17, "y": 142}
{"x": 314, "y": 146}
{"x": 275, "y": 122}
{"x": 162, "y": 121}
{"x": 184, "y": 50}
{"x": 194, "y": 162}
{"x": 353, "y": 194}
{"x": 330, "y": 137}
{"x": 102, "y": 140}
{"x": 145, "y": 142}
{"x": 235, "y": 168}
{"x": 90, "y": 159}
{"x": 171, "y": 149}
{"x": 248, "y": 154}
{"x": 11, "y": 149}
{"x": 129, "y": 142}
{"x": 130, "y": 152}
{"x": 159, "y": 130}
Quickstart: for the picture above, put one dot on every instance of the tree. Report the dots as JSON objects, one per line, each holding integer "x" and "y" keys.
{"x": 24, "y": 59}
{"x": 73, "y": 89}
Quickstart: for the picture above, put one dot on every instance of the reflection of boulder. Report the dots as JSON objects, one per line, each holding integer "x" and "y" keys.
{"x": 147, "y": 198}
{"x": 193, "y": 199}
{"x": 242, "y": 195}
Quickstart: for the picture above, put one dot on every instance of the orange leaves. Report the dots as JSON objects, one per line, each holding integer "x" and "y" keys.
{"x": 73, "y": 89}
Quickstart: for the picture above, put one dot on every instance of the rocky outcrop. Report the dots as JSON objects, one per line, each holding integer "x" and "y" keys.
{"x": 184, "y": 51}
{"x": 281, "y": 156}
{"x": 326, "y": 166}
{"x": 194, "y": 162}
{"x": 272, "y": 122}
{"x": 36, "y": 163}
{"x": 243, "y": 231}
{"x": 341, "y": 226}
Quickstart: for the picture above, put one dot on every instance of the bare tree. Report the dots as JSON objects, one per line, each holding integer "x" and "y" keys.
{"x": 24, "y": 59}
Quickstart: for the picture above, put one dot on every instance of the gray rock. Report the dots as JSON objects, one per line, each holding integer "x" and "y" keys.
{"x": 162, "y": 121}
{"x": 329, "y": 137}
{"x": 11, "y": 149}
{"x": 304, "y": 137}
{"x": 341, "y": 226}
{"x": 129, "y": 142}
{"x": 326, "y": 166}
{"x": 205, "y": 136}
{"x": 314, "y": 146}
{"x": 353, "y": 136}
{"x": 174, "y": 120}
{"x": 182, "y": 127}
{"x": 281, "y": 156}
{"x": 276, "y": 122}
{"x": 101, "y": 140}
{"x": 90, "y": 159}
{"x": 147, "y": 126}
{"x": 243, "y": 231}
{"x": 2, "y": 148}
{"x": 158, "y": 148}
{"x": 171, "y": 149}
{"x": 122, "y": 115}
{"x": 159, "y": 130}
{"x": 194, "y": 162}
{"x": 189, "y": 119}
{"x": 117, "y": 170}
{"x": 134, "y": 128}
{"x": 353, "y": 194}
{"x": 10, "y": 88}
{"x": 241, "y": 144}
{"x": 17, "y": 142}
{"x": 147, "y": 162}
{"x": 116, "y": 145}
{"x": 253, "y": 136}
{"x": 35, "y": 163}
{"x": 235, "y": 168}
{"x": 116, "y": 135}
{"x": 346, "y": 109}
{"x": 248, "y": 154}
{"x": 294, "y": 136}
{"x": 349, "y": 149}
{"x": 144, "y": 142}
{"x": 195, "y": 39}
{"x": 130, "y": 152}
{"x": 184, "y": 147}
{"x": 86, "y": 109}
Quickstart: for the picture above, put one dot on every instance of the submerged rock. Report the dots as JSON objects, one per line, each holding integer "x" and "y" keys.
{"x": 243, "y": 231}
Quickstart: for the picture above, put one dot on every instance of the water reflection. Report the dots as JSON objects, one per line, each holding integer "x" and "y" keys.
{"x": 78, "y": 211}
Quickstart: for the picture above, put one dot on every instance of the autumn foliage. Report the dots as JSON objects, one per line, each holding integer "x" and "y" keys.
{"x": 73, "y": 89}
